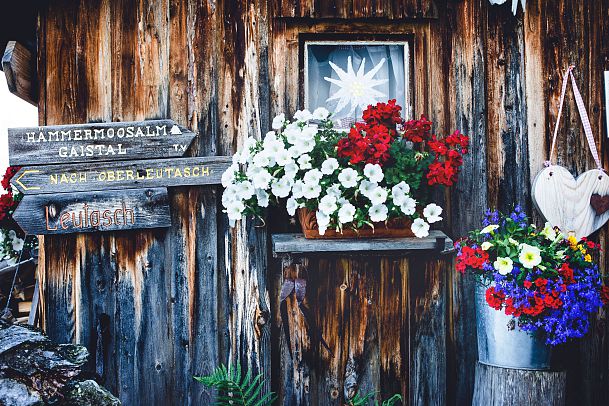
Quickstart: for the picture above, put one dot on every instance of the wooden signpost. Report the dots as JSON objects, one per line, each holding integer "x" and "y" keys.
{"x": 104, "y": 176}
{"x": 32, "y": 180}
{"x": 65, "y": 213}
{"x": 67, "y": 144}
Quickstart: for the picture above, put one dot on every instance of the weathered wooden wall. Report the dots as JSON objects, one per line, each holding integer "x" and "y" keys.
{"x": 157, "y": 307}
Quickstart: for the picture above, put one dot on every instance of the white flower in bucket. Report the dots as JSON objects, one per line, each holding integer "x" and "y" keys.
{"x": 432, "y": 213}
{"x": 420, "y": 228}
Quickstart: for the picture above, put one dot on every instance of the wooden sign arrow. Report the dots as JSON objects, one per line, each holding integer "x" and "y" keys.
{"x": 98, "y": 142}
{"x": 111, "y": 210}
{"x": 33, "y": 180}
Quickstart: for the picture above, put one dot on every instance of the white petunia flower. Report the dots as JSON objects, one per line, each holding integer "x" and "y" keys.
{"x": 311, "y": 190}
{"x": 432, "y": 213}
{"x": 312, "y": 176}
{"x": 283, "y": 157}
{"x": 378, "y": 196}
{"x": 298, "y": 189}
{"x": 334, "y": 190}
{"x": 303, "y": 115}
{"x": 327, "y": 204}
{"x": 308, "y": 133}
{"x": 292, "y": 133}
{"x": 281, "y": 187}
{"x": 322, "y": 221}
{"x": 401, "y": 187}
{"x": 228, "y": 176}
{"x": 348, "y": 178}
{"x": 409, "y": 206}
{"x": 374, "y": 172}
{"x": 278, "y": 121}
{"x": 291, "y": 205}
{"x": 378, "y": 213}
{"x": 234, "y": 212}
{"x": 366, "y": 187}
{"x": 503, "y": 265}
{"x": 420, "y": 228}
{"x": 529, "y": 256}
{"x": 329, "y": 166}
{"x": 320, "y": 113}
{"x": 230, "y": 195}
{"x": 261, "y": 178}
{"x": 291, "y": 169}
{"x": 17, "y": 244}
{"x": 304, "y": 146}
{"x": 346, "y": 213}
{"x": 245, "y": 190}
{"x": 305, "y": 161}
{"x": 261, "y": 159}
{"x": 262, "y": 197}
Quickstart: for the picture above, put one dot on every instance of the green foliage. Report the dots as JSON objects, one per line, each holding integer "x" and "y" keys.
{"x": 364, "y": 400}
{"x": 237, "y": 389}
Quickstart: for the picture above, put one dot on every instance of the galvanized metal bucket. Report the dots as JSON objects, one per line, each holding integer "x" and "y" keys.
{"x": 502, "y": 346}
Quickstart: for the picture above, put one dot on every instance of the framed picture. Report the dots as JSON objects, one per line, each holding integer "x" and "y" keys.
{"x": 345, "y": 76}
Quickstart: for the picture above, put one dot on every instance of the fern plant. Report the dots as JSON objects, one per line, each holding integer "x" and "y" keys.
{"x": 364, "y": 400}
{"x": 235, "y": 389}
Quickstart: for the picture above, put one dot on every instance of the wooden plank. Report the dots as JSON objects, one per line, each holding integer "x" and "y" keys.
{"x": 120, "y": 175}
{"x": 108, "y": 210}
{"x": 19, "y": 65}
{"x": 98, "y": 142}
{"x": 298, "y": 244}
{"x": 504, "y": 386}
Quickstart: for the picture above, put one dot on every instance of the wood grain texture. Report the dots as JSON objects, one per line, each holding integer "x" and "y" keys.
{"x": 298, "y": 244}
{"x": 503, "y": 386}
{"x": 565, "y": 202}
{"x": 19, "y": 66}
{"x": 33, "y": 180}
{"x": 64, "y": 144}
{"x": 110, "y": 210}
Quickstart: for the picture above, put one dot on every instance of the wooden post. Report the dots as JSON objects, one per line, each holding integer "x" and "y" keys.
{"x": 497, "y": 386}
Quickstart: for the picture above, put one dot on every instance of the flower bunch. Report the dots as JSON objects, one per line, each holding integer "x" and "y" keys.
{"x": 448, "y": 158}
{"x": 11, "y": 236}
{"x": 369, "y": 141}
{"x": 357, "y": 179}
{"x": 547, "y": 281}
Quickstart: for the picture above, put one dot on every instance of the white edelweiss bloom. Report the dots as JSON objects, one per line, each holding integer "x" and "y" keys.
{"x": 228, "y": 176}
{"x": 378, "y": 213}
{"x": 298, "y": 189}
{"x": 420, "y": 228}
{"x": 262, "y": 197}
{"x": 304, "y": 161}
{"x": 366, "y": 187}
{"x": 374, "y": 172}
{"x": 303, "y": 115}
{"x": 327, "y": 204}
{"x": 329, "y": 166}
{"x": 320, "y": 113}
{"x": 378, "y": 196}
{"x": 311, "y": 190}
{"x": 261, "y": 179}
{"x": 346, "y": 213}
{"x": 278, "y": 121}
{"x": 348, "y": 178}
{"x": 291, "y": 205}
{"x": 283, "y": 157}
{"x": 409, "y": 206}
{"x": 334, "y": 190}
{"x": 312, "y": 176}
{"x": 281, "y": 187}
{"x": 308, "y": 133}
{"x": 322, "y": 221}
{"x": 432, "y": 213}
{"x": 17, "y": 244}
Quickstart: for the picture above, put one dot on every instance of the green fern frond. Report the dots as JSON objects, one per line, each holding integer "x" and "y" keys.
{"x": 364, "y": 400}
{"x": 234, "y": 388}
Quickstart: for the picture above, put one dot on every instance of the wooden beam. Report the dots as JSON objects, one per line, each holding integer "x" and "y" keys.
{"x": 19, "y": 65}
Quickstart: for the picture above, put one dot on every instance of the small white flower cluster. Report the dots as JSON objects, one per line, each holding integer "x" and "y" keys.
{"x": 10, "y": 244}
{"x": 282, "y": 166}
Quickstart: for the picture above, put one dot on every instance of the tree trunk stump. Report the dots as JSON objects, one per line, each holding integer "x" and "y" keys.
{"x": 497, "y": 386}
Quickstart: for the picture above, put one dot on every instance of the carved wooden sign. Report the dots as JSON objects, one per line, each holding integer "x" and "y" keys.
{"x": 82, "y": 177}
{"x": 67, "y": 144}
{"x": 109, "y": 210}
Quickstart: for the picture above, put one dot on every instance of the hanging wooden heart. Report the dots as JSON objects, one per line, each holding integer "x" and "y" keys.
{"x": 567, "y": 202}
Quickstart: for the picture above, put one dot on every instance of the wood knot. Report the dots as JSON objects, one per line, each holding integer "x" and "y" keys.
{"x": 343, "y": 286}
{"x": 334, "y": 392}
